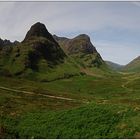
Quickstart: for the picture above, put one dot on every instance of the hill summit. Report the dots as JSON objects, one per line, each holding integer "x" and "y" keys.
{"x": 80, "y": 43}
{"x": 38, "y": 30}
{"x": 43, "y": 43}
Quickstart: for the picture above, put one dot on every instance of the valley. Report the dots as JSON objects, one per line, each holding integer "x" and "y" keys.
{"x": 78, "y": 93}
{"x": 55, "y": 87}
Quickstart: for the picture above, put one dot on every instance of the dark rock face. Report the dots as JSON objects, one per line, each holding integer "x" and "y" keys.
{"x": 38, "y": 30}
{"x": 59, "y": 38}
{"x": 81, "y": 43}
{"x": 47, "y": 44}
{"x": 83, "y": 36}
{"x": 82, "y": 48}
{"x": 43, "y": 46}
{"x": 44, "y": 43}
{"x": 5, "y": 42}
{"x": 48, "y": 50}
{"x": 16, "y": 42}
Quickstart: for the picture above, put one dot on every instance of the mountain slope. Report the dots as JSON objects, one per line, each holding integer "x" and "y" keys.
{"x": 41, "y": 56}
{"x": 133, "y": 66}
{"x": 81, "y": 49}
{"x": 113, "y": 65}
{"x": 37, "y": 57}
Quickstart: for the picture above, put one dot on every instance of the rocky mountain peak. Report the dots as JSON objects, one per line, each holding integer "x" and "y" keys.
{"x": 57, "y": 38}
{"x": 38, "y": 30}
{"x": 83, "y": 36}
{"x": 81, "y": 43}
{"x": 5, "y": 42}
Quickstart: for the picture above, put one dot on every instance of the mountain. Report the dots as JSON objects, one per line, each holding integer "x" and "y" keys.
{"x": 81, "y": 49}
{"x": 133, "y": 66}
{"x": 39, "y": 30}
{"x": 38, "y": 56}
{"x": 6, "y": 42}
{"x": 41, "y": 56}
{"x": 114, "y": 66}
{"x": 43, "y": 44}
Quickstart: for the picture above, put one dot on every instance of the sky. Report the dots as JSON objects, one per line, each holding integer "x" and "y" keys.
{"x": 113, "y": 27}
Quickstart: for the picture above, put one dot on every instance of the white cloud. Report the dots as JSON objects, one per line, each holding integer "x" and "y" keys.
{"x": 17, "y": 17}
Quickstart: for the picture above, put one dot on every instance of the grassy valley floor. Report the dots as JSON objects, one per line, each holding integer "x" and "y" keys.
{"x": 85, "y": 106}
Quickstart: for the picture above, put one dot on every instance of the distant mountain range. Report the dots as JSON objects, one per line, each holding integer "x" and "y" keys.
{"x": 114, "y": 66}
{"x": 133, "y": 66}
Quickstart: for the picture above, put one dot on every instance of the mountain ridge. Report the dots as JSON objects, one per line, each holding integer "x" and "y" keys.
{"x": 114, "y": 66}
{"x": 46, "y": 57}
{"x": 133, "y": 66}
{"x": 82, "y": 48}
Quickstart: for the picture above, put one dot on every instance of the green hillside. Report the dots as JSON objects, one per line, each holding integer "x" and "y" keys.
{"x": 56, "y": 87}
{"x": 114, "y": 66}
{"x": 82, "y": 50}
{"x": 38, "y": 57}
{"x": 133, "y": 66}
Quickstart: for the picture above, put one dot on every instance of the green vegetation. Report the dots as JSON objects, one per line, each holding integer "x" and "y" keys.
{"x": 45, "y": 93}
{"x": 108, "y": 115}
{"x": 25, "y": 61}
{"x": 133, "y": 66}
{"x": 114, "y": 66}
{"x": 91, "y": 121}
{"x": 81, "y": 50}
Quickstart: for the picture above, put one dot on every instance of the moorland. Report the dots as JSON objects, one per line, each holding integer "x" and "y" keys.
{"x": 57, "y": 87}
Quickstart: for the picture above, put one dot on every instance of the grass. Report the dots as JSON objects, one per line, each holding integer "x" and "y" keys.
{"x": 105, "y": 104}
{"x": 112, "y": 112}
{"x": 89, "y": 85}
{"x": 47, "y": 63}
{"x": 133, "y": 66}
{"x": 90, "y": 121}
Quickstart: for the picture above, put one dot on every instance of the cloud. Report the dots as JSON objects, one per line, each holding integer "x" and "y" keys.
{"x": 67, "y": 16}
{"x": 136, "y": 3}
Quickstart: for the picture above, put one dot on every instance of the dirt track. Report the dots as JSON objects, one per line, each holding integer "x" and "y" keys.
{"x": 32, "y": 93}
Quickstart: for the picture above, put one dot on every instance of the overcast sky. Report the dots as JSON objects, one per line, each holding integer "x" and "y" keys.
{"x": 114, "y": 27}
